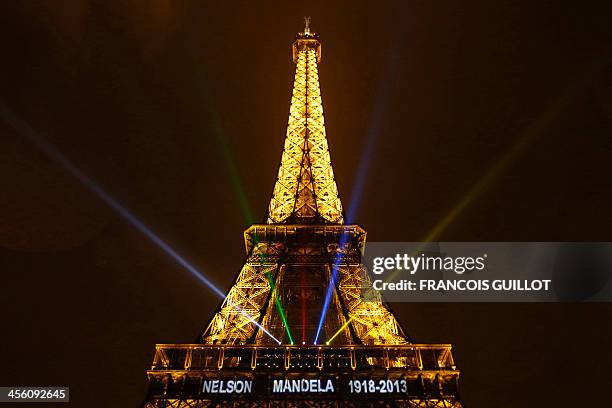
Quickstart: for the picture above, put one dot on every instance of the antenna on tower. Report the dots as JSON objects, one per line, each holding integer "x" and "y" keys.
{"x": 307, "y": 27}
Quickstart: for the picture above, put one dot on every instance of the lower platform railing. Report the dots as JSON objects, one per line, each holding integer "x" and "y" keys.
{"x": 194, "y": 357}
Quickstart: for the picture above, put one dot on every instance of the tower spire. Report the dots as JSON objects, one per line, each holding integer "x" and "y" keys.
{"x": 307, "y": 25}
{"x": 305, "y": 191}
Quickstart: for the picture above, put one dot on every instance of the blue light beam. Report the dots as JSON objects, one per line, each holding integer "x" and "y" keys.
{"x": 31, "y": 135}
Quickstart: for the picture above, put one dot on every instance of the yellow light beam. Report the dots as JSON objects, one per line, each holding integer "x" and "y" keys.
{"x": 339, "y": 331}
{"x": 527, "y": 137}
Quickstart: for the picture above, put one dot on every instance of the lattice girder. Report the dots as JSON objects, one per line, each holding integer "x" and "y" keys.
{"x": 371, "y": 319}
{"x": 233, "y": 323}
{"x": 305, "y": 187}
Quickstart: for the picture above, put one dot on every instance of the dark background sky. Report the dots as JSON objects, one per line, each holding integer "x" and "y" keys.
{"x": 156, "y": 99}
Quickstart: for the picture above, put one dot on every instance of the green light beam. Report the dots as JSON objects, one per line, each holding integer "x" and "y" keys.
{"x": 280, "y": 308}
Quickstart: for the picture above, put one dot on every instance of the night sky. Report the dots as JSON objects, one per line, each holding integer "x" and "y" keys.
{"x": 178, "y": 109}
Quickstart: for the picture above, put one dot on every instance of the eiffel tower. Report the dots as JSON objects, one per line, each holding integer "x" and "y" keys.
{"x": 295, "y": 329}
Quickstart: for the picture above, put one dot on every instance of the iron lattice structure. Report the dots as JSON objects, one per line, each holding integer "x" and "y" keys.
{"x": 283, "y": 286}
{"x": 305, "y": 188}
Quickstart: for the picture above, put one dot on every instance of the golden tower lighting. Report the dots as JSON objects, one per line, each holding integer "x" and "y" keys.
{"x": 365, "y": 357}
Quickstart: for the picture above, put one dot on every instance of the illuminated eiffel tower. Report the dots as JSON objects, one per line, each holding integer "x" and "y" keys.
{"x": 295, "y": 329}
